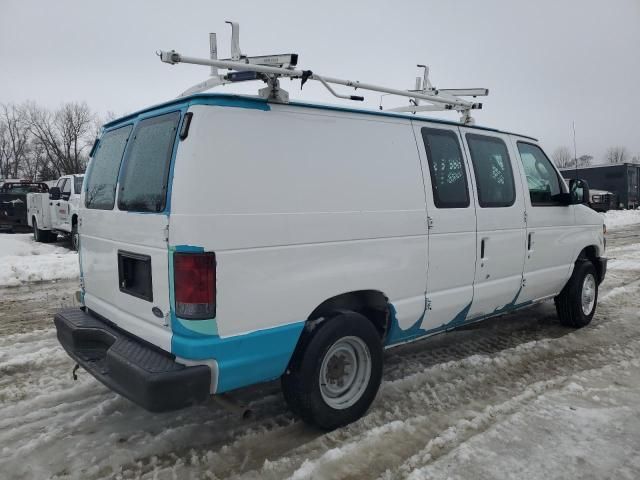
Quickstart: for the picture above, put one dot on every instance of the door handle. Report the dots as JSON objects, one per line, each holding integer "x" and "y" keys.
{"x": 482, "y": 248}
{"x": 530, "y": 241}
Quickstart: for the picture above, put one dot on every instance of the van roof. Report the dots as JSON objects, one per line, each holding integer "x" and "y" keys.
{"x": 249, "y": 101}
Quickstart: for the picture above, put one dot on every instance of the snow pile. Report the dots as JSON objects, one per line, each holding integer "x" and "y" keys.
{"x": 620, "y": 218}
{"x": 23, "y": 260}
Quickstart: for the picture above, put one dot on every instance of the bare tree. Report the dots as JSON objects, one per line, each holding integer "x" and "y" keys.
{"x": 65, "y": 135}
{"x": 15, "y": 138}
{"x": 585, "y": 160}
{"x": 617, "y": 155}
{"x": 635, "y": 159}
{"x": 4, "y": 150}
{"x": 562, "y": 157}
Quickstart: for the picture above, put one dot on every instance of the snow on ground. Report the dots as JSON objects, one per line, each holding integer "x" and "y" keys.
{"x": 514, "y": 397}
{"x": 23, "y": 260}
{"x": 614, "y": 219}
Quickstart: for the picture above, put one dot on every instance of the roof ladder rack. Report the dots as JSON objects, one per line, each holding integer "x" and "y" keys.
{"x": 270, "y": 68}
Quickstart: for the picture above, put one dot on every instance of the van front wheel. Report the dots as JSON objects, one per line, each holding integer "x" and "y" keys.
{"x": 336, "y": 371}
{"x": 576, "y": 303}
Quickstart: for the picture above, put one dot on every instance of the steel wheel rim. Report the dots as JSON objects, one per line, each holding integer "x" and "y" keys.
{"x": 345, "y": 372}
{"x": 588, "y": 297}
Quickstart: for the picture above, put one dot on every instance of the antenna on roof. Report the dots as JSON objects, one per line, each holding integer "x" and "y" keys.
{"x": 270, "y": 68}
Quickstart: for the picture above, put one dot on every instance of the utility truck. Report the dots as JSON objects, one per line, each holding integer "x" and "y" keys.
{"x": 230, "y": 240}
{"x": 56, "y": 212}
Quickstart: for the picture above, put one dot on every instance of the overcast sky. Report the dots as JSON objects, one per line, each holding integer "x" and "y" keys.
{"x": 545, "y": 62}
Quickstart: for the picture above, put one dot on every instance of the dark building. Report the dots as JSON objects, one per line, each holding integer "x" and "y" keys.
{"x": 623, "y": 179}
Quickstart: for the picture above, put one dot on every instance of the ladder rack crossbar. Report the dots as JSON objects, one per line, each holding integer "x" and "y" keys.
{"x": 174, "y": 58}
{"x": 270, "y": 68}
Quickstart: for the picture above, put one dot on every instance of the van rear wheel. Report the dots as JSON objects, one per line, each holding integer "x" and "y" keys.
{"x": 576, "y": 303}
{"x": 336, "y": 371}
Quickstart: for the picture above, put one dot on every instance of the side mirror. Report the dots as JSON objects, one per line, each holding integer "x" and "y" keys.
{"x": 54, "y": 193}
{"x": 579, "y": 190}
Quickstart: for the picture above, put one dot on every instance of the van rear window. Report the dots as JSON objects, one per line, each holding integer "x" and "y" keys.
{"x": 143, "y": 187}
{"x": 103, "y": 171}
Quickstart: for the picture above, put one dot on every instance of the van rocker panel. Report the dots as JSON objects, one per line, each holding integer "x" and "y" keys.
{"x": 132, "y": 368}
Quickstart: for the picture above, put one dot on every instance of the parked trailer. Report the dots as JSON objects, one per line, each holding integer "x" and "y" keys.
{"x": 622, "y": 179}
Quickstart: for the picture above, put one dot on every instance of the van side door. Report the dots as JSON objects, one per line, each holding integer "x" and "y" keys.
{"x": 452, "y": 225}
{"x": 549, "y": 225}
{"x": 500, "y": 223}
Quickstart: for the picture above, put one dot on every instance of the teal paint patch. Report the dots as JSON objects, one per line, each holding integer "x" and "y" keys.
{"x": 243, "y": 359}
{"x": 459, "y": 319}
{"x": 397, "y": 334}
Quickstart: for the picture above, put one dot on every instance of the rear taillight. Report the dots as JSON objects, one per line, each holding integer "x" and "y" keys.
{"x": 195, "y": 285}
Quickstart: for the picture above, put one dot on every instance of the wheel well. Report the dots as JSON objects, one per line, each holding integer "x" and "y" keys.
{"x": 590, "y": 253}
{"x": 372, "y": 304}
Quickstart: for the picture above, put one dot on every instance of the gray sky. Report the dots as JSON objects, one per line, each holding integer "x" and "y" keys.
{"x": 545, "y": 62}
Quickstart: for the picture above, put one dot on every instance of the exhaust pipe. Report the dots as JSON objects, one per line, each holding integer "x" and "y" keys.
{"x": 231, "y": 404}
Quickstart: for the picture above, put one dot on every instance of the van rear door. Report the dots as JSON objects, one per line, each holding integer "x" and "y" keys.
{"x": 125, "y": 218}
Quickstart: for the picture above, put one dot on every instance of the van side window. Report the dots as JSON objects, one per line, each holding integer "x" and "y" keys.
{"x": 448, "y": 177}
{"x": 143, "y": 187}
{"x": 67, "y": 187}
{"x": 102, "y": 177}
{"x": 542, "y": 179}
{"x": 494, "y": 177}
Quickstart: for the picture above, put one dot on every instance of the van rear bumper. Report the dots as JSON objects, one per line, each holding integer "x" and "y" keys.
{"x": 127, "y": 365}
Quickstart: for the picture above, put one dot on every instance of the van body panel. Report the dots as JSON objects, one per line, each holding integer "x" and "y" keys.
{"x": 358, "y": 220}
{"x": 103, "y": 237}
{"x": 550, "y": 238}
{"x": 452, "y": 244}
{"x": 499, "y": 264}
{"x": 107, "y": 232}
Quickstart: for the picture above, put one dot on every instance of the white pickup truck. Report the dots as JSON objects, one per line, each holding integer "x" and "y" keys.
{"x": 56, "y": 212}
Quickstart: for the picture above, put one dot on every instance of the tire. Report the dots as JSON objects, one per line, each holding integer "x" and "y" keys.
{"x": 332, "y": 349}
{"x": 43, "y": 236}
{"x": 575, "y": 305}
{"x": 37, "y": 234}
{"x": 75, "y": 238}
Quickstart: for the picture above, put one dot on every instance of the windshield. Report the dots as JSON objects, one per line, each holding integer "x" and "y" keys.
{"x": 143, "y": 187}
{"x": 18, "y": 188}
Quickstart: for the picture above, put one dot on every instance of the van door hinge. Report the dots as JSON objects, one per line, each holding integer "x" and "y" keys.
{"x": 428, "y": 303}
{"x": 525, "y": 217}
{"x": 524, "y": 282}
{"x": 429, "y": 223}
{"x": 166, "y": 233}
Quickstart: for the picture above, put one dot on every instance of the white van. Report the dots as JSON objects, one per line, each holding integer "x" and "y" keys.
{"x": 227, "y": 240}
